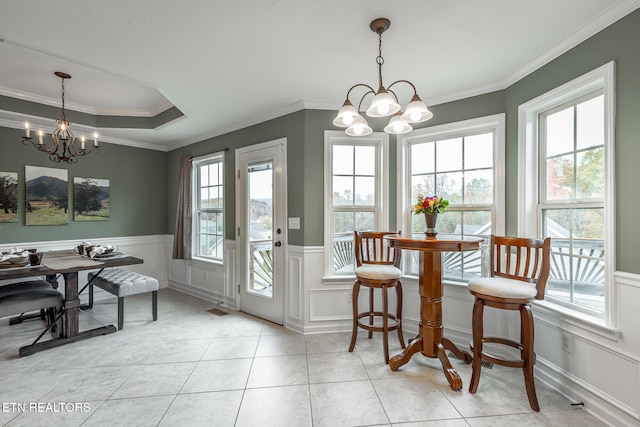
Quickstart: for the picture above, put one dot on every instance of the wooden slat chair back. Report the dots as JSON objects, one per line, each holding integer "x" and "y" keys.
{"x": 519, "y": 273}
{"x": 377, "y": 267}
{"x": 372, "y": 248}
{"x": 521, "y": 259}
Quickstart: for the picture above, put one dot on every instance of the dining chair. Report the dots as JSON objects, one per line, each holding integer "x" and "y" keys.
{"x": 27, "y": 285}
{"x": 518, "y": 275}
{"x": 32, "y": 298}
{"x": 377, "y": 267}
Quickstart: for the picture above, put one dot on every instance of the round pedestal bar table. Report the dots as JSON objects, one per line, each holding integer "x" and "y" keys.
{"x": 430, "y": 341}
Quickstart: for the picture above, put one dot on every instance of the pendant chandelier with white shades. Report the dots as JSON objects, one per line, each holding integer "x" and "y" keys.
{"x": 384, "y": 103}
{"x": 63, "y": 147}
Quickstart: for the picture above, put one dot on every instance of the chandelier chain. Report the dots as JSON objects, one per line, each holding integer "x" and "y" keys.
{"x": 380, "y": 59}
{"x": 64, "y": 117}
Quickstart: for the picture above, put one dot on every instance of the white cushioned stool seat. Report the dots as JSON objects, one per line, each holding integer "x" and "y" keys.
{"x": 122, "y": 283}
{"x": 503, "y": 287}
{"x": 378, "y": 272}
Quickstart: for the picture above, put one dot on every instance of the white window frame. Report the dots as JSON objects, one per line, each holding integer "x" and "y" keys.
{"x": 494, "y": 123}
{"x": 217, "y": 157}
{"x": 380, "y": 208}
{"x": 529, "y": 214}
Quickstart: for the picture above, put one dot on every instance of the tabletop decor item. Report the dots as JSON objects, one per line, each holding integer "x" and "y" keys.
{"x": 430, "y": 206}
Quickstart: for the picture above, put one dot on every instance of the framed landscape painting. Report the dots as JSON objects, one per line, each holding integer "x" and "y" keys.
{"x": 47, "y": 200}
{"x": 8, "y": 197}
{"x": 90, "y": 199}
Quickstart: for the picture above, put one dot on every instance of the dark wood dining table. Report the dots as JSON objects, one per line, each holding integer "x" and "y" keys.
{"x": 430, "y": 341}
{"x": 68, "y": 263}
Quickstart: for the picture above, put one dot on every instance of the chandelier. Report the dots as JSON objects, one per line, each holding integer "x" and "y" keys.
{"x": 384, "y": 103}
{"x": 63, "y": 148}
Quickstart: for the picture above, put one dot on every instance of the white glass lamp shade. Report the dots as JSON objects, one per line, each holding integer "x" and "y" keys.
{"x": 416, "y": 111}
{"x": 359, "y": 129}
{"x": 398, "y": 126}
{"x": 347, "y": 115}
{"x": 383, "y": 105}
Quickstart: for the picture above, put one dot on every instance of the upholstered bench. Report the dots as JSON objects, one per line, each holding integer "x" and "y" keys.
{"x": 122, "y": 283}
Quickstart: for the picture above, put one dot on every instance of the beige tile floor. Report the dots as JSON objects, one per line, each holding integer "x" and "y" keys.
{"x": 194, "y": 368}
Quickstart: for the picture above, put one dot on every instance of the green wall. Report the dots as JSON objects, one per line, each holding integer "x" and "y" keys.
{"x": 290, "y": 126}
{"x": 137, "y": 179}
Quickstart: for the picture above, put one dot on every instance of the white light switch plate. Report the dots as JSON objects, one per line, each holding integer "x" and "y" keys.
{"x": 294, "y": 223}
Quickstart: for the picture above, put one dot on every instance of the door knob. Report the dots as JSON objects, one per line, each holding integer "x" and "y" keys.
{"x": 277, "y": 244}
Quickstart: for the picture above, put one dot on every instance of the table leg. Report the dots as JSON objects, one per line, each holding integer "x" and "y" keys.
{"x": 452, "y": 376}
{"x": 415, "y": 345}
{"x": 460, "y": 354}
{"x": 430, "y": 342}
{"x": 71, "y": 304}
{"x": 71, "y": 321}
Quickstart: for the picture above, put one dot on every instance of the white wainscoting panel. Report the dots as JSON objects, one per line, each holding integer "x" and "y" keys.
{"x": 330, "y": 304}
{"x": 602, "y": 368}
{"x": 154, "y": 250}
{"x": 295, "y": 280}
{"x": 210, "y": 281}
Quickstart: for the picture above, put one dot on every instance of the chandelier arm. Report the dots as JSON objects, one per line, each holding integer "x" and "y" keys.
{"x": 394, "y": 95}
{"x": 415, "y": 92}
{"x": 364, "y": 96}
{"x": 360, "y": 84}
{"x": 40, "y": 147}
{"x": 84, "y": 152}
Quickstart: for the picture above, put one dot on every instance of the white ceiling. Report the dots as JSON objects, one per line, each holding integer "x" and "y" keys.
{"x": 232, "y": 63}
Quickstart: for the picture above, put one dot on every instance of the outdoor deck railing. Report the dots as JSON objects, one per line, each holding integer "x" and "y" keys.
{"x": 581, "y": 264}
{"x": 261, "y": 272}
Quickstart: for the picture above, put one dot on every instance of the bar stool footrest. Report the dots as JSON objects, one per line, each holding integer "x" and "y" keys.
{"x": 394, "y": 322}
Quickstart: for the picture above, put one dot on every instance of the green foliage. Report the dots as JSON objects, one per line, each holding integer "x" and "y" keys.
{"x": 86, "y": 197}
{"x": 8, "y": 194}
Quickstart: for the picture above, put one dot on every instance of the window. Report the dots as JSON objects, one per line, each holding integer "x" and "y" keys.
{"x": 355, "y": 194}
{"x": 463, "y": 163}
{"x": 567, "y": 141}
{"x": 208, "y": 207}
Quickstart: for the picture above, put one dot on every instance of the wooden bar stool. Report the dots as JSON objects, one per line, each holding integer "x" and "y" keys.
{"x": 377, "y": 268}
{"x": 519, "y": 273}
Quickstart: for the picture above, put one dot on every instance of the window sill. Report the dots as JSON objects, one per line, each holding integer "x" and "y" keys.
{"x": 339, "y": 280}
{"x": 205, "y": 262}
{"x": 576, "y": 320}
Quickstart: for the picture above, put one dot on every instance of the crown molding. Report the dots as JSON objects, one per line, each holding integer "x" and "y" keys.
{"x": 48, "y": 126}
{"x": 616, "y": 12}
{"x": 81, "y": 108}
